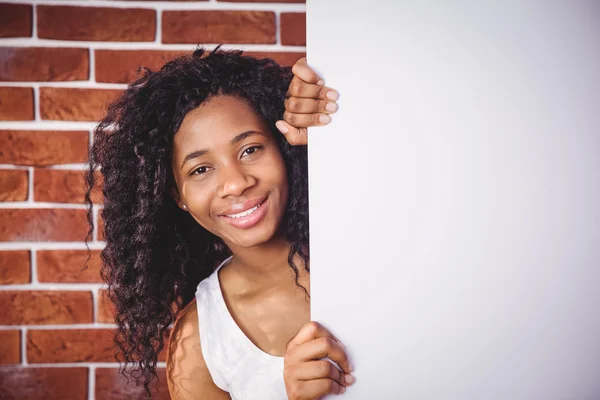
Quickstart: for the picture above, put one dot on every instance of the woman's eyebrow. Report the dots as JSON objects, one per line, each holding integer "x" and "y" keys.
{"x": 235, "y": 140}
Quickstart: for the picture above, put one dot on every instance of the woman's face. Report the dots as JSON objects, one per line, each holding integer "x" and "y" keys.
{"x": 226, "y": 163}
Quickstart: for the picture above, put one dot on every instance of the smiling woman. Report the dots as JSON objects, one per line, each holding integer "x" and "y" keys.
{"x": 206, "y": 227}
{"x": 223, "y": 151}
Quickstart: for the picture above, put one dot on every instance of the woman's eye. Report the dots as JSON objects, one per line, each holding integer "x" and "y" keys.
{"x": 252, "y": 150}
{"x": 199, "y": 171}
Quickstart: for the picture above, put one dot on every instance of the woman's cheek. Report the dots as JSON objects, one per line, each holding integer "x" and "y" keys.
{"x": 197, "y": 196}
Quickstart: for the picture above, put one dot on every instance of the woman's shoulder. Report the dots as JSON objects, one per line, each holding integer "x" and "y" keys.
{"x": 187, "y": 319}
{"x": 184, "y": 340}
{"x": 187, "y": 373}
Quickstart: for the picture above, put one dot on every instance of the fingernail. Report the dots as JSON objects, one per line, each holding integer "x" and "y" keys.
{"x": 320, "y": 82}
{"x": 331, "y": 107}
{"x": 342, "y": 389}
{"x": 350, "y": 366}
{"x": 324, "y": 119}
{"x": 349, "y": 379}
{"x": 332, "y": 95}
{"x": 282, "y": 128}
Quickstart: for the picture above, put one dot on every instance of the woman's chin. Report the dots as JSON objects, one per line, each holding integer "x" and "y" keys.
{"x": 251, "y": 239}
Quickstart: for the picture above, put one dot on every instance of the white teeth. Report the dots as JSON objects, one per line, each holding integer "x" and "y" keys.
{"x": 244, "y": 213}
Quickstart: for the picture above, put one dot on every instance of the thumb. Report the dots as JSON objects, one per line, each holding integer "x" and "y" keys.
{"x": 295, "y": 136}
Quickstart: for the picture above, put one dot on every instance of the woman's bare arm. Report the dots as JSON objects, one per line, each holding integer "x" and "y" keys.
{"x": 187, "y": 375}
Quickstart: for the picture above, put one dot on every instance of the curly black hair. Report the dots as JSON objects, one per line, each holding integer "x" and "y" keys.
{"x": 155, "y": 253}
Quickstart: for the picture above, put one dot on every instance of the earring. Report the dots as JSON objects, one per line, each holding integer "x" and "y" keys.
{"x": 185, "y": 207}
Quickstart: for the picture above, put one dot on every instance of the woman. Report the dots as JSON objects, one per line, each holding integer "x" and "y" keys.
{"x": 206, "y": 227}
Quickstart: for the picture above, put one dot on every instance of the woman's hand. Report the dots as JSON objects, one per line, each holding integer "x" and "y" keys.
{"x": 306, "y": 374}
{"x": 308, "y": 103}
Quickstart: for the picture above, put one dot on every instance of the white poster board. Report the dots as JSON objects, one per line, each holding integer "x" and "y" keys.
{"x": 455, "y": 198}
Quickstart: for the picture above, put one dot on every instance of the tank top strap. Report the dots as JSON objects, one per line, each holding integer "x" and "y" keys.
{"x": 214, "y": 335}
{"x": 234, "y": 362}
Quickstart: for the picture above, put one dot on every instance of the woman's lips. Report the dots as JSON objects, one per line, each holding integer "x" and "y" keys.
{"x": 249, "y": 220}
{"x": 246, "y": 205}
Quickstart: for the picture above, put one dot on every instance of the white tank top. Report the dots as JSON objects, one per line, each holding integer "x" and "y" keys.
{"x": 236, "y": 365}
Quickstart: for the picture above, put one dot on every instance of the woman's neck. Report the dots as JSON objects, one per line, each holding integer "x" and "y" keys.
{"x": 266, "y": 264}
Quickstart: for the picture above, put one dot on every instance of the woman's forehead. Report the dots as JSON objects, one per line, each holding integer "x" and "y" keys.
{"x": 216, "y": 122}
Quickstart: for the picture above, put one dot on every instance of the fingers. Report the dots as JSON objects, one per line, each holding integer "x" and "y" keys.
{"x": 295, "y": 136}
{"x": 314, "y": 341}
{"x": 307, "y": 103}
{"x": 310, "y": 331}
{"x": 322, "y": 369}
{"x": 301, "y": 114}
{"x": 306, "y": 120}
{"x": 299, "y": 105}
{"x": 304, "y": 72}
{"x": 324, "y": 347}
{"x": 307, "y": 374}
{"x": 294, "y": 126}
{"x": 301, "y": 88}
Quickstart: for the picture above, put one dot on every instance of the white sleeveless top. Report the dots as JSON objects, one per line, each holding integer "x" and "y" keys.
{"x": 236, "y": 365}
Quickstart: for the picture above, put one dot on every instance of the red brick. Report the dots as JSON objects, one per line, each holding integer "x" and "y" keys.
{"x": 67, "y": 266}
{"x": 16, "y": 20}
{"x": 38, "y": 64}
{"x": 62, "y": 186}
{"x": 41, "y": 148}
{"x": 110, "y": 385}
{"x": 283, "y": 58}
{"x": 43, "y": 383}
{"x": 96, "y": 23}
{"x": 121, "y": 66}
{"x": 42, "y": 307}
{"x": 16, "y": 104}
{"x": 15, "y": 267}
{"x": 74, "y": 345}
{"x": 100, "y": 223}
{"x": 72, "y": 104}
{"x": 10, "y": 347}
{"x": 70, "y": 345}
{"x": 14, "y": 183}
{"x": 43, "y": 224}
{"x": 218, "y": 27}
{"x": 293, "y": 29}
{"x": 106, "y": 309}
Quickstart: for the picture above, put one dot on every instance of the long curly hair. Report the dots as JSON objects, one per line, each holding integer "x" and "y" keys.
{"x": 155, "y": 253}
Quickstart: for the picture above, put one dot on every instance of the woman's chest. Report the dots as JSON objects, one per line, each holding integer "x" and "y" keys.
{"x": 270, "y": 321}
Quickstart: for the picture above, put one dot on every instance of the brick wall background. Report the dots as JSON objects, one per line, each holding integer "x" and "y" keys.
{"x": 60, "y": 62}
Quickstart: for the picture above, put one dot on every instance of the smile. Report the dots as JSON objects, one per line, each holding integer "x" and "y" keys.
{"x": 248, "y": 218}
{"x": 244, "y": 213}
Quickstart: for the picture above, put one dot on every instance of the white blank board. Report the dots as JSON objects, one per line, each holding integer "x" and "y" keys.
{"x": 455, "y": 198}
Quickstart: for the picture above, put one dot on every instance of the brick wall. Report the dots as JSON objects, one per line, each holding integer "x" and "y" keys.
{"x": 60, "y": 63}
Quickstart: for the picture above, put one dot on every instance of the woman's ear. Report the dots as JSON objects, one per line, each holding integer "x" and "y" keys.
{"x": 177, "y": 197}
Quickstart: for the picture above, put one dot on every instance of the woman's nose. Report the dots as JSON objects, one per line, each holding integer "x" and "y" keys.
{"x": 235, "y": 180}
